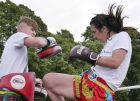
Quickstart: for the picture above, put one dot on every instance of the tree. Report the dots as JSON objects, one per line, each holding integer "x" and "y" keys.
{"x": 10, "y": 14}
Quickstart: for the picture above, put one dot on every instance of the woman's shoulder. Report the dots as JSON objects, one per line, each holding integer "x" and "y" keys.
{"x": 123, "y": 34}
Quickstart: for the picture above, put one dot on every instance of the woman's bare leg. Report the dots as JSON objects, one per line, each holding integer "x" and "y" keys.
{"x": 58, "y": 86}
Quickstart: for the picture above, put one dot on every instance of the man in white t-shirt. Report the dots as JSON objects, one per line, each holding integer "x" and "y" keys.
{"x": 109, "y": 69}
{"x": 14, "y": 58}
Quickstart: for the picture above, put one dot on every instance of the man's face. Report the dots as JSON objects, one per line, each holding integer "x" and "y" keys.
{"x": 99, "y": 34}
{"x": 27, "y": 29}
{"x": 31, "y": 31}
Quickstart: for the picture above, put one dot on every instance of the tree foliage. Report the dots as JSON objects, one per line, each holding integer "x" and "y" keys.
{"x": 9, "y": 16}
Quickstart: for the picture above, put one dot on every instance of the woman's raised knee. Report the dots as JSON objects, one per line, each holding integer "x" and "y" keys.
{"x": 48, "y": 80}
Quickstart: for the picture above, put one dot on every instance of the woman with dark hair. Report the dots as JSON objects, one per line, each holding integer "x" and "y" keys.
{"x": 109, "y": 69}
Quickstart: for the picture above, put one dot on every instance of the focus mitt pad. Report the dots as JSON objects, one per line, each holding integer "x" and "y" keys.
{"x": 49, "y": 51}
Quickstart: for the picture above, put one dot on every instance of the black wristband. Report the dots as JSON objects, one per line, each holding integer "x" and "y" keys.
{"x": 92, "y": 58}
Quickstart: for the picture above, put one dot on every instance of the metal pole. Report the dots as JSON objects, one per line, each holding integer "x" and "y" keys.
{"x": 129, "y": 87}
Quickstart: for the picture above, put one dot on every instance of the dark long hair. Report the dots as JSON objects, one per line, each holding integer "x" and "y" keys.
{"x": 114, "y": 22}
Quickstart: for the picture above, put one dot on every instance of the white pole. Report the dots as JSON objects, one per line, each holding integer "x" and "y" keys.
{"x": 129, "y": 87}
{"x": 43, "y": 91}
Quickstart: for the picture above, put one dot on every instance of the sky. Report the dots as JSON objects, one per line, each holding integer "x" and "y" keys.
{"x": 75, "y": 15}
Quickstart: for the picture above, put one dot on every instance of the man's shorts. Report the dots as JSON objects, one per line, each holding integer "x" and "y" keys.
{"x": 86, "y": 88}
{"x": 7, "y": 95}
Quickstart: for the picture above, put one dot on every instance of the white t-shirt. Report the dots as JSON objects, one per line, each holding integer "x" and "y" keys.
{"x": 115, "y": 77}
{"x": 14, "y": 58}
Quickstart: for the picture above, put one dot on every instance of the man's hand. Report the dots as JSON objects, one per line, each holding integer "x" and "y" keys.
{"x": 51, "y": 48}
{"x": 50, "y": 41}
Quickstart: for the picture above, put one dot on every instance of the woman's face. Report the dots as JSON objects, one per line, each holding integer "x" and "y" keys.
{"x": 99, "y": 34}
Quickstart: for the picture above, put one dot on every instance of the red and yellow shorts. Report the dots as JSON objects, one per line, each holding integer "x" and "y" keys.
{"x": 86, "y": 89}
